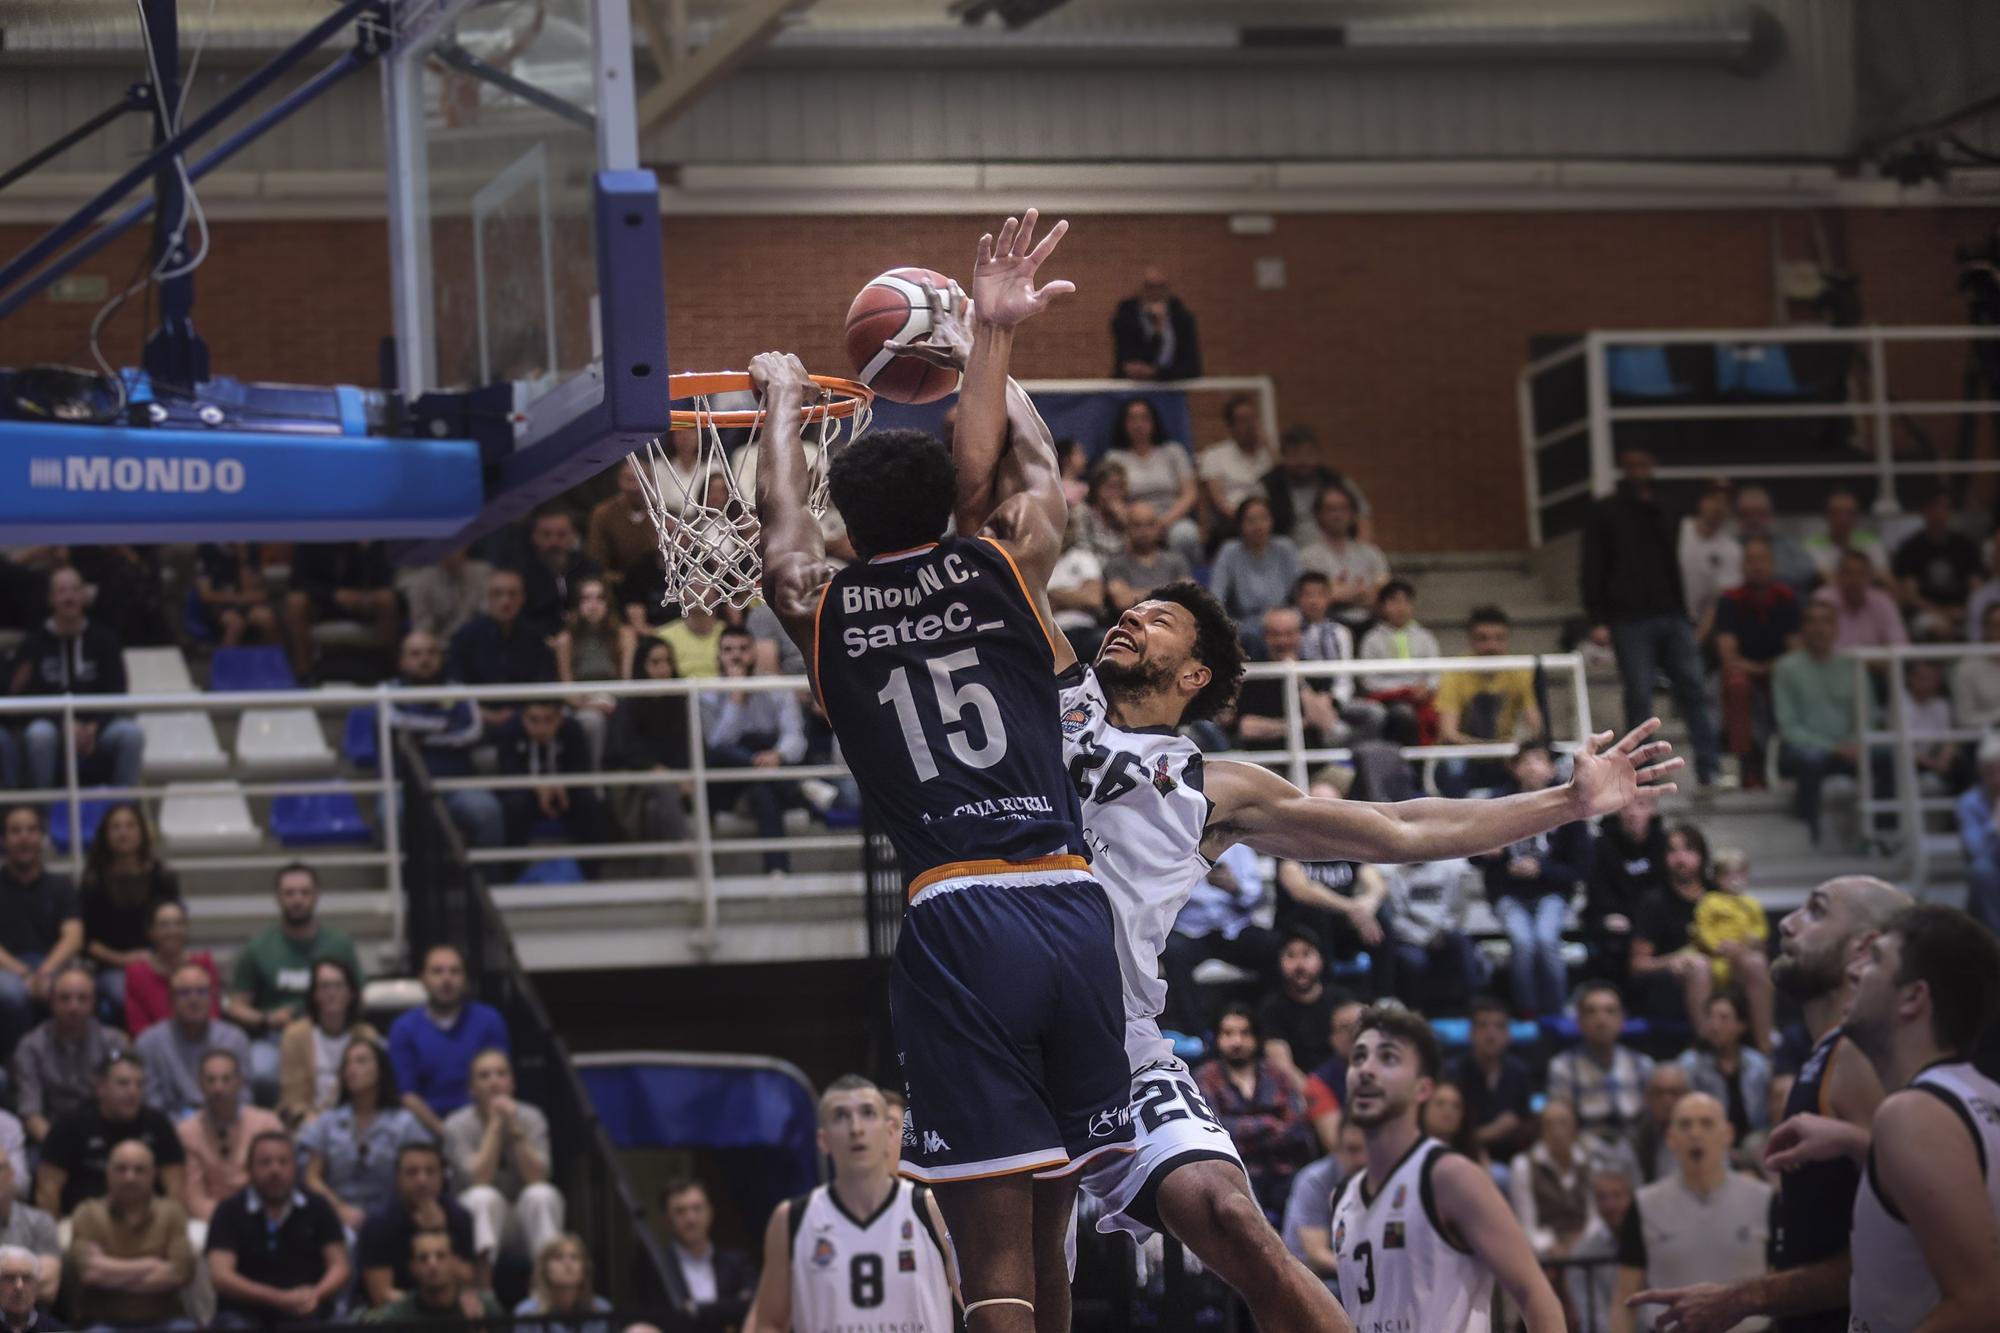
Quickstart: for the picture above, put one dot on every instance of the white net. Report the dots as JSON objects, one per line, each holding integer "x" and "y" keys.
{"x": 705, "y": 507}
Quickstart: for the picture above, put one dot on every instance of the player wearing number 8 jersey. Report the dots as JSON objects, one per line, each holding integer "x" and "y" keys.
{"x": 867, "y": 1251}
{"x": 936, "y": 665}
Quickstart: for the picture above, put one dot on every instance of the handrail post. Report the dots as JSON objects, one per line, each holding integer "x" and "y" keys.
{"x": 392, "y": 813}
{"x": 1886, "y": 500}
{"x": 1598, "y": 392}
{"x": 1581, "y": 684}
{"x": 72, "y": 777}
{"x": 1907, "y": 794}
{"x": 704, "y": 865}
{"x": 1864, "y": 772}
{"x": 1524, "y": 402}
{"x": 1295, "y": 729}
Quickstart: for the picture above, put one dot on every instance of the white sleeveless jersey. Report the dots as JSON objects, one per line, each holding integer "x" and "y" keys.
{"x": 1143, "y": 817}
{"x": 1892, "y": 1289}
{"x": 1398, "y": 1272}
{"x": 885, "y": 1274}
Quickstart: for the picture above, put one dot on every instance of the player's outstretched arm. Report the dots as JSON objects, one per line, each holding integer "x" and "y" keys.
{"x": 1470, "y": 1204}
{"x": 1032, "y": 520}
{"x": 789, "y": 540}
{"x": 1256, "y": 806}
{"x": 771, "y": 1310}
{"x": 1927, "y": 1164}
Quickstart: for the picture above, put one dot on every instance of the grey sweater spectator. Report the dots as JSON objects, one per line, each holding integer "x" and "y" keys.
{"x": 71, "y": 654}
{"x": 498, "y": 1147}
{"x": 172, "y": 1051}
{"x": 1144, "y": 564}
{"x": 443, "y": 596}
{"x": 498, "y": 647}
{"x": 1255, "y": 570}
{"x": 1153, "y": 335}
{"x": 753, "y": 729}
{"x": 14, "y": 1144}
{"x": 55, "y": 1066}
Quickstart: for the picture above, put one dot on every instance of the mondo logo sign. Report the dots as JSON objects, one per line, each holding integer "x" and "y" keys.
{"x": 170, "y": 475}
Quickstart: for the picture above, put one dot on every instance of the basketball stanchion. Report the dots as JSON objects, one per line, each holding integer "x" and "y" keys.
{"x": 707, "y": 526}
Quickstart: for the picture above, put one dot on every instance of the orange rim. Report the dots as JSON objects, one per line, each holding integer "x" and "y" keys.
{"x": 850, "y": 396}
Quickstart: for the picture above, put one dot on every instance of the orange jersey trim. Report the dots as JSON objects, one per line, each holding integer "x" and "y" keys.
{"x": 819, "y": 609}
{"x": 963, "y": 869}
{"x": 897, "y": 555}
{"x": 1034, "y": 606}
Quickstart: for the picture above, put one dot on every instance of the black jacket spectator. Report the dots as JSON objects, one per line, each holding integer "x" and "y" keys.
{"x": 80, "y": 1144}
{"x": 290, "y": 1256}
{"x": 1285, "y": 515}
{"x": 385, "y": 1239}
{"x": 1136, "y": 339}
{"x": 93, "y": 662}
{"x": 1631, "y": 563}
{"x": 735, "y": 1285}
{"x": 1565, "y": 857}
{"x": 549, "y": 590}
{"x": 484, "y": 654}
{"x": 1626, "y": 870}
{"x": 321, "y": 570}
{"x": 648, "y": 732}
{"x": 524, "y": 751}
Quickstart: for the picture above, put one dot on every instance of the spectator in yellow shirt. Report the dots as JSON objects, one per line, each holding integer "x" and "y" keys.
{"x": 1730, "y": 927}
{"x": 1476, "y": 706}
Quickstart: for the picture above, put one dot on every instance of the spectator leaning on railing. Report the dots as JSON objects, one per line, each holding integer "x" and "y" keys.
{"x": 71, "y": 654}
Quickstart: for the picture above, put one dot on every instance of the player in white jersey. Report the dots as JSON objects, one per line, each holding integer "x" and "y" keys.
{"x": 868, "y": 1251}
{"x": 1422, "y": 1234}
{"x": 1156, "y": 817}
{"x": 1926, "y": 1242}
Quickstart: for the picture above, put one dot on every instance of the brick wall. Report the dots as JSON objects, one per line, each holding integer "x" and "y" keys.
{"x": 1397, "y": 335}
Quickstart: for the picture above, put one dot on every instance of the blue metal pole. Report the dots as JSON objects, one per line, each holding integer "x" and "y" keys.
{"x": 225, "y": 107}
{"x": 175, "y": 355}
{"x": 222, "y": 152}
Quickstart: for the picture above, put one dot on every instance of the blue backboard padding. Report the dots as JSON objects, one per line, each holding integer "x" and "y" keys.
{"x": 1086, "y": 417}
{"x": 666, "y": 1106}
{"x": 82, "y": 484}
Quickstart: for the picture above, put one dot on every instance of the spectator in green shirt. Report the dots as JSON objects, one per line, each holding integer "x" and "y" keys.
{"x": 438, "y": 1293}
{"x": 272, "y": 978}
{"x": 1812, "y": 693}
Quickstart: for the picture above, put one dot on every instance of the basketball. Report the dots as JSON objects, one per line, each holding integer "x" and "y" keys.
{"x": 895, "y": 306}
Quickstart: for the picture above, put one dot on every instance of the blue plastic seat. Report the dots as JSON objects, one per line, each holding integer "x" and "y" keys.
{"x": 318, "y": 818}
{"x": 360, "y": 742}
{"x": 89, "y": 813}
{"x": 1642, "y": 372}
{"x": 235, "y": 670}
{"x": 1759, "y": 370}
{"x": 555, "y": 870}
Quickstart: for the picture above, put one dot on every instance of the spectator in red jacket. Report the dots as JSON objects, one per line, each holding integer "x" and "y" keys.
{"x": 1262, "y": 1107}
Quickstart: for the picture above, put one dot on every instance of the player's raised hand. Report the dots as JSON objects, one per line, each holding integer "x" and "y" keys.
{"x": 948, "y": 340}
{"x": 1605, "y": 781}
{"x": 1003, "y": 273}
{"x": 779, "y": 375}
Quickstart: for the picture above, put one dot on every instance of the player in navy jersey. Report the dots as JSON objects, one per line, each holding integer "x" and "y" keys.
{"x": 935, "y": 661}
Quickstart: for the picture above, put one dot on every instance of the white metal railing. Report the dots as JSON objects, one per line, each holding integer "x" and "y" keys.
{"x": 703, "y": 845}
{"x": 1907, "y": 805}
{"x": 1876, "y": 406}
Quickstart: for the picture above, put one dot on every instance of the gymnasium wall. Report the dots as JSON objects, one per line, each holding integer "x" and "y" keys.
{"x": 1398, "y": 336}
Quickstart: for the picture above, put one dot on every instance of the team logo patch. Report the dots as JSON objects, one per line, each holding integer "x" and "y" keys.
{"x": 1402, "y": 1193}
{"x": 1163, "y": 781}
{"x": 822, "y": 1255}
{"x": 906, "y": 1261}
{"x": 1340, "y": 1235}
{"x": 909, "y": 1229}
{"x": 1392, "y": 1235}
{"x": 1076, "y": 719}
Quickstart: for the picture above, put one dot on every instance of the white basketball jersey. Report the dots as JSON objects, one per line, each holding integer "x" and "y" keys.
{"x": 1398, "y": 1272}
{"x": 888, "y": 1272}
{"x": 1892, "y": 1290}
{"x": 1143, "y": 817}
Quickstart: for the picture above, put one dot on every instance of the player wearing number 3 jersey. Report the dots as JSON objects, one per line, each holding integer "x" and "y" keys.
{"x": 934, "y": 659}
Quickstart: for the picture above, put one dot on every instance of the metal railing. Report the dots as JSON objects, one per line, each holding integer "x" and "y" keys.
{"x": 704, "y": 845}
{"x": 1566, "y": 397}
{"x": 455, "y": 908}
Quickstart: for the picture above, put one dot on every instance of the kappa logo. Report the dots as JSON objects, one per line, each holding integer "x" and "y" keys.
{"x": 822, "y": 1255}
{"x": 934, "y": 1142}
{"x": 1163, "y": 781}
{"x": 1076, "y": 719}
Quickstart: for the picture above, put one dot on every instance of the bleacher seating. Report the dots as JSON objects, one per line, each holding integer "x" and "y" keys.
{"x": 1642, "y": 372}
{"x": 198, "y": 817}
{"x": 319, "y": 818}
{"x": 157, "y": 671}
{"x": 238, "y": 669}
{"x": 181, "y": 746}
{"x": 89, "y": 814}
{"x": 281, "y": 741}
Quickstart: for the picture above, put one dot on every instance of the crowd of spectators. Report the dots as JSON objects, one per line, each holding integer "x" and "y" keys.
{"x": 177, "y": 1150}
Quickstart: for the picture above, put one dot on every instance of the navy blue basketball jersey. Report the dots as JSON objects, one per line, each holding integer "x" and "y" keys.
{"x": 1814, "y": 1213}
{"x": 938, "y": 675}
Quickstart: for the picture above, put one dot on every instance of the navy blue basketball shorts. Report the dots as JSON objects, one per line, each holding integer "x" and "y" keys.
{"x": 1009, "y": 1026}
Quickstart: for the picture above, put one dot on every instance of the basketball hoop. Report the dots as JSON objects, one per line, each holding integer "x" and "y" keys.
{"x": 707, "y": 526}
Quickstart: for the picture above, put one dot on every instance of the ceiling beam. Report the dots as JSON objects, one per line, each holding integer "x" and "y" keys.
{"x": 684, "y": 81}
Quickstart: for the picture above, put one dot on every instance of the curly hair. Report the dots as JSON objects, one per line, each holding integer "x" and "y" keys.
{"x": 894, "y": 490}
{"x": 1215, "y": 647}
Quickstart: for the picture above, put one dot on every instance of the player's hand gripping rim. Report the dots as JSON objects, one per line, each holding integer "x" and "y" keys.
{"x": 1605, "y": 781}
